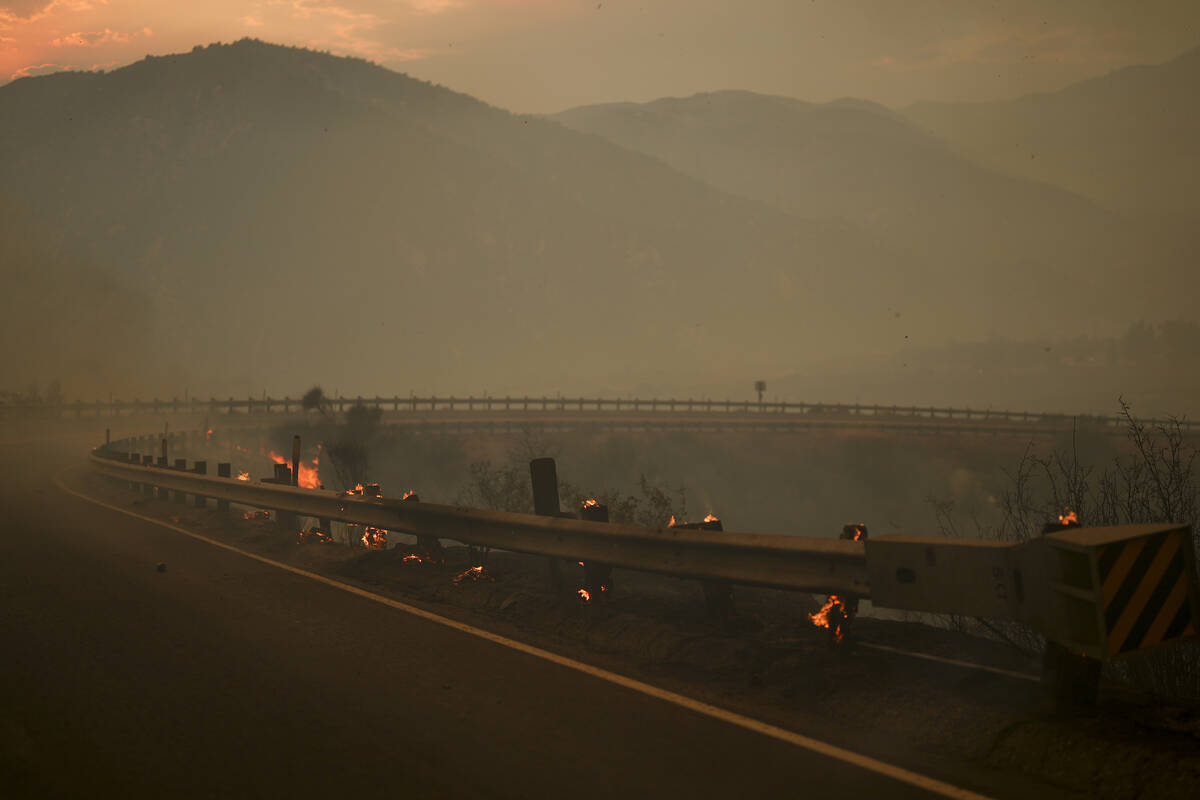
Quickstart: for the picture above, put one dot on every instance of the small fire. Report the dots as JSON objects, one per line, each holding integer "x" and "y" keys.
{"x": 413, "y": 557}
{"x": 835, "y": 608}
{"x": 261, "y": 513}
{"x": 243, "y": 476}
{"x": 374, "y": 538}
{"x": 585, "y": 595}
{"x": 314, "y": 535}
{"x": 592, "y": 503}
{"x": 408, "y": 494}
{"x": 208, "y": 434}
{"x": 671, "y": 522}
{"x": 1070, "y": 518}
{"x": 711, "y": 518}
{"x": 309, "y": 475}
{"x": 474, "y": 574}
{"x": 858, "y": 533}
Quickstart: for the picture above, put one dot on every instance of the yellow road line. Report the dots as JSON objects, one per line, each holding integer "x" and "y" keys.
{"x": 733, "y": 718}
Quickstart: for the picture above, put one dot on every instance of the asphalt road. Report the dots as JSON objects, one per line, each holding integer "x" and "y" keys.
{"x": 226, "y": 677}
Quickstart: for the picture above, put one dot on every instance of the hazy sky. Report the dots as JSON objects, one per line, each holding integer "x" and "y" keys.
{"x": 546, "y": 55}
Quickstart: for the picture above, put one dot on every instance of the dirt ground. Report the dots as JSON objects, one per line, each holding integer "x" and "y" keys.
{"x": 769, "y": 661}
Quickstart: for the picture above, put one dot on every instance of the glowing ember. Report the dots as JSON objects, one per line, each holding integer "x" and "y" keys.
{"x": 834, "y": 616}
{"x": 859, "y": 532}
{"x": 585, "y": 595}
{"x": 592, "y": 503}
{"x": 711, "y": 518}
{"x": 408, "y": 494}
{"x": 413, "y": 557}
{"x": 474, "y": 574}
{"x": 243, "y": 476}
{"x": 261, "y": 513}
{"x": 208, "y": 434}
{"x": 1070, "y": 518}
{"x": 374, "y": 538}
{"x": 314, "y": 535}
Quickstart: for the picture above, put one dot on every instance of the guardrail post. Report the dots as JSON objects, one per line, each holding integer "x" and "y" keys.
{"x": 543, "y": 475}
{"x": 296, "y": 460}
{"x": 181, "y": 465}
{"x": 201, "y": 468}
{"x": 135, "y": 458}
{"x": 597, "y": 578}
{"x": 718, "y": 595}
{"x": 223, "y": 471}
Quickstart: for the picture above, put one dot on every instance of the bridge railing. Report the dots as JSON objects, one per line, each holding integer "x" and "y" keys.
{"x": 414, "y": 404}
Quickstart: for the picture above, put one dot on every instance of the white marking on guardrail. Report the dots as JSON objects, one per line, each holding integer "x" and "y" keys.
{"x": 731, "y": 717}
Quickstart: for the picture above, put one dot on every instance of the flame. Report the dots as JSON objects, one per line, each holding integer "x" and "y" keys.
{"x": 671, "y": 522}
{"x": 473, "y": 574}
{"x": 243, "y": 476}
{"x": 208, "y": 434}
{"x": 309, "y": 477}
{"x": 374, "y": 538}
{"x": 1070, "y": 518}
{"x": 711, "y": 518}
{"x": 821, "y": 618}
{"x": 585, "y": 595}
{"x": 858, "y": 533}
{"x": 278, "y": 459}
{"x": 408, "y": 494}
{"x": 413, "y": 557}
{"x": 592, "y": 503}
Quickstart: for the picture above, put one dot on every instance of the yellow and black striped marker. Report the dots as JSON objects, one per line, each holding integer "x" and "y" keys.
{"x": 1144, "y": 591}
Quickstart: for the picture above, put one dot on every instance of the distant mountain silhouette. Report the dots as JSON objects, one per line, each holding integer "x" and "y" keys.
{"x": 1129, "y": 139}
{"x": 857, "y": 161}
{"x": 275, "y": 216}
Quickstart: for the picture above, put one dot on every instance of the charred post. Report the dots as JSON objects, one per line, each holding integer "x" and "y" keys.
{"x": 224, "y": 470}
{"x": 597, "y": 578}
{"x": 178, "y": 496}
{"x": 295, "y": 461}
{"x": 201, "y": 468}
{"x": 718, "y": 595}
{"x": 543, "y": 475}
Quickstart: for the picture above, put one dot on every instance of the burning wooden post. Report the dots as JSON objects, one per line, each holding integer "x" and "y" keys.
{"x": 285, "y": 520}
{"x": 224, "y": 470}
{"x": 597, "y": 578}
{"x": 1070, "y": 680}
{"x": 431, "y": 546}
{"x": 718, "y": 595}
{"x": 839, "y": 611}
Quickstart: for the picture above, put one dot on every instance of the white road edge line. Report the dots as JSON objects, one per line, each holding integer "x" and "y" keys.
{"x": 730, "y": 717}
{"x": 1025, "y": 676}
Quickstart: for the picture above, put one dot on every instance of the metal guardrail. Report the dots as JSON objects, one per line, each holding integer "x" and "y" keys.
{"x": 612, "y": 409}
{"x": 749, "y": 559}
{"x": 1104, "y": 592}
